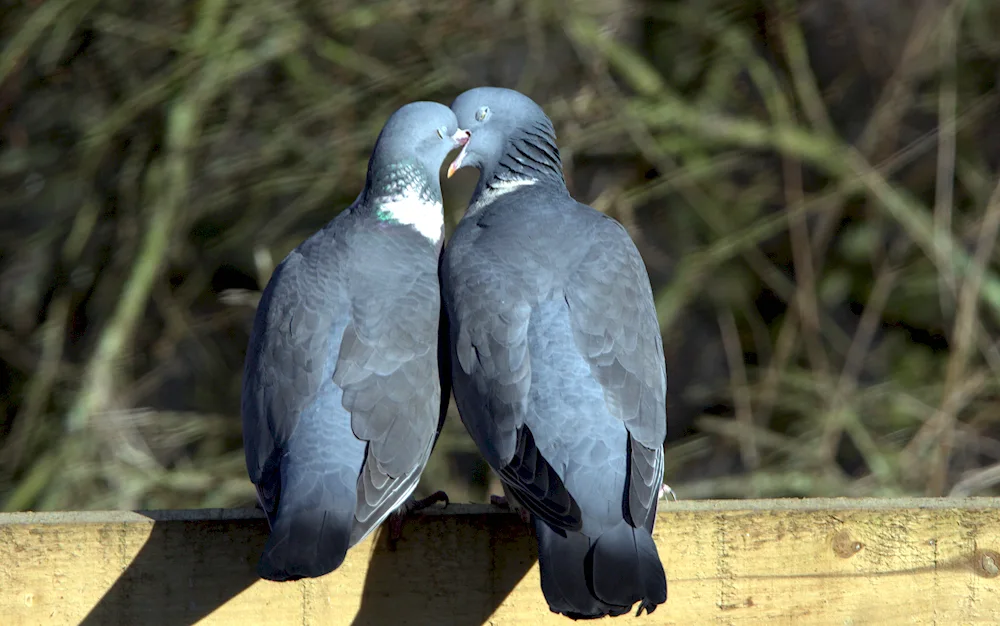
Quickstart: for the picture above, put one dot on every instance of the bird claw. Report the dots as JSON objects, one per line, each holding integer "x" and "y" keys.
{"x": 503, "y": 503}
{"x": 397, "y": 517}
{"x": 666, "y": 491}
{"x": 419, "y": 505}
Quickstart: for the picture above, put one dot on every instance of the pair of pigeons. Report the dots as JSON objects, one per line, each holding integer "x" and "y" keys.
{"x": 548, "y": 335}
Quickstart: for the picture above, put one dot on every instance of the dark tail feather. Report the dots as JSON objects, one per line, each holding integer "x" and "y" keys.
{"x": 561, "y": 561}
{"x": 584, "y": 579}
{"x": 312, "y": 518}
{"x": 626, "y": 568}
{"x": 305, "y": 544}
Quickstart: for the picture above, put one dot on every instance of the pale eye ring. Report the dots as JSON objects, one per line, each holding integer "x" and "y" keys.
{"x": 482, "y": 113}
{"x": 442, "y": 131}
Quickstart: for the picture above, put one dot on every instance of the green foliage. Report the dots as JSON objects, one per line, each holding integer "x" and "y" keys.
{"x": 812, "y": 185}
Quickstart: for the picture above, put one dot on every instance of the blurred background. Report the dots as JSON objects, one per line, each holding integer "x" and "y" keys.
{"x": 812, "y": 184}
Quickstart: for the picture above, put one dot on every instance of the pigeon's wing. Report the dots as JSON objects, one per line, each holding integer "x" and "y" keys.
{"x": 492, "y": 376}
{"x": 615, "y": 326}
{"x": 288, "y": 350}
{"x": 388, "y": 369}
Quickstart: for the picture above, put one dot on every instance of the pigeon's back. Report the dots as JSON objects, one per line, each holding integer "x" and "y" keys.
{"x": 342, "y": 397}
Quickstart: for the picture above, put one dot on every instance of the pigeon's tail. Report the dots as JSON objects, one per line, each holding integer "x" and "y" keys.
{"x": 305, "y": 544}
{"x": 587, "y": 579}
{"x": 626, "y": 568}
{"x": 311, "y": 531}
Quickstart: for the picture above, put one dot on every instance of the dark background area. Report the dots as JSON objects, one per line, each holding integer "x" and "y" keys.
{"x": 812, "y": 184}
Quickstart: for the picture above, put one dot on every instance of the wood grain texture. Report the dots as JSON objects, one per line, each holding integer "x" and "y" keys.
{"x": 823, "y": 561}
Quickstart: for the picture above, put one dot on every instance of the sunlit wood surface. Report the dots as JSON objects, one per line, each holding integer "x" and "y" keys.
{"x": 820, "y": 561}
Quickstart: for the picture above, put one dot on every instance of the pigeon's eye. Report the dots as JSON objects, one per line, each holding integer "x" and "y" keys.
{"x": 482, "y": 113}
{"x": 442, "y": 132}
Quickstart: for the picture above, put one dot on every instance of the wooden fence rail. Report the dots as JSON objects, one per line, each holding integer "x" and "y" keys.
{"x": 822, "y": 561}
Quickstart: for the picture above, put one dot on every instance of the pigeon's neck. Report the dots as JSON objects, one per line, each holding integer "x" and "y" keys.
{"x": 488, "y": 192}
{"x": 402, "y": 193}
{"x": 531, "y": 158}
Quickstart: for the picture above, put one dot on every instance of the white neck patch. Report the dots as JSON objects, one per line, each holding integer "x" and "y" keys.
{"x": 427, "y": 217}
{"x": 497, "y": 189}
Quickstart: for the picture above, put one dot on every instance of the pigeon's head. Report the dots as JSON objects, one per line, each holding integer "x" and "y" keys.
{"x": 512, "y": 138}
{"x": 425, "y": 131}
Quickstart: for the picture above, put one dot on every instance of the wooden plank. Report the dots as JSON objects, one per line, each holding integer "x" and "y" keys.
{"x": 823, "y": 561}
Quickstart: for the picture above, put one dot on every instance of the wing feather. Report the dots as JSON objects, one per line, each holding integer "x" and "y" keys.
{"x": 284, "y": 368}
{"x": 490, "y": 295}
{"x": 388, "y": 369}
{"x": 616, "y": 329}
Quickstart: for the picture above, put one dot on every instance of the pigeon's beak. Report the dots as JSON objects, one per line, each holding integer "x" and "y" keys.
{"x": 461, "y": 138}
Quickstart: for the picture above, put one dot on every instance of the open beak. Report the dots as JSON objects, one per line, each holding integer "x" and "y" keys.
{"x": 461, "y": 138}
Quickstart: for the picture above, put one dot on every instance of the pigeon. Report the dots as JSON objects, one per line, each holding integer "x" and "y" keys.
{"x": 557, "y": 361}
{"x": 344, "y": 387}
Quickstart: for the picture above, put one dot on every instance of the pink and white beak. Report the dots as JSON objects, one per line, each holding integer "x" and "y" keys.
{"x": 461, "y": 137}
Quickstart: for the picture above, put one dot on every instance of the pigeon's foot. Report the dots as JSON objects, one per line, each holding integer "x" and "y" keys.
{"x": 666, "y": 492}
{"x": 411, "y": 506}
{"x": 503, "y": 503}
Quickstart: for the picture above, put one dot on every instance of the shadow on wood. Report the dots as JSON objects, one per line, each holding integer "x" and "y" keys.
{"x": 183, "y": 572}
{"x": 441, "y": 573}
{"x": 453, "y": 567}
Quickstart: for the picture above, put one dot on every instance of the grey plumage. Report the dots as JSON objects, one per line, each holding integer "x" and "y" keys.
{"x": 342, "y": 392}
{"x": 557, "y": 361}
